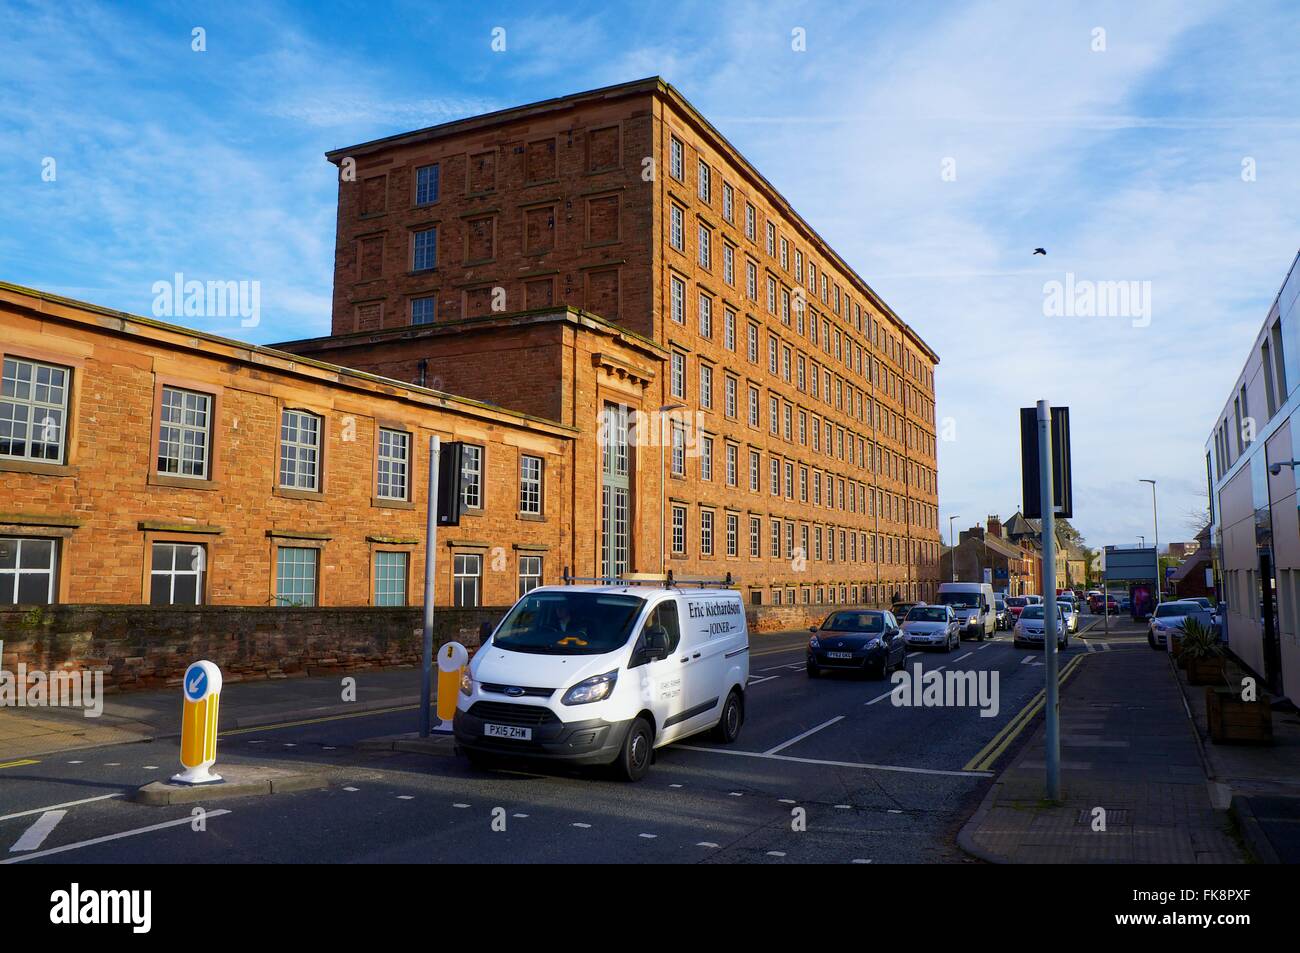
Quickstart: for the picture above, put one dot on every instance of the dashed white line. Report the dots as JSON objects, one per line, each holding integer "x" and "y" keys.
{"x": 35, "y": 835}
{"x": 967, "y": 655}
{"x": 797, "y": 738}
{"x": 406, "y": 797}
{"x": 352, "y": 789}
{"x": 706, "y": 843}
{"x": 580, "y": 824}
{"x": 186, "y": 820}
{"x": 759, "y": 680}
{"x": 461, "y": 806}
{"x": 648, "y": 836}
{"x": 776, "y": 853}
{"x": 903, "y": 769}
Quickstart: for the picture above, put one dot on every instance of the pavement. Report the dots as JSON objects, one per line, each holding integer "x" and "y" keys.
{"x": 825, "y": 771}
{"x": 1133, "y": 778}
{"x": 1262, "y": 782}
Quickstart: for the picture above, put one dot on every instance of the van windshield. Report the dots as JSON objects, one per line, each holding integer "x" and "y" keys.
{"x": 568, "y": 623}
{"x": 960, "y": 600}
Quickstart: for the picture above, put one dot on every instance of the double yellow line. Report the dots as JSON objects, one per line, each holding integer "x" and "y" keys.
{"x": 990, "y": 753}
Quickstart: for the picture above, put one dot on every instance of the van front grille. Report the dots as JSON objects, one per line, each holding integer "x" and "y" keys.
{"x": 524, "y": 690}
{"x": 507, "y": 714}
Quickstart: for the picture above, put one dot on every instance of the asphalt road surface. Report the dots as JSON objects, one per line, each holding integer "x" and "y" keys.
{"x": 825, "y": 770}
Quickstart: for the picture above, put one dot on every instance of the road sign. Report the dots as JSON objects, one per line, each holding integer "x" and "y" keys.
{"x": 1131, "y": 564}
{"x": 451, "y": 474}
{"x": 1030, "y": 473}
{"x": 201, "y": 697}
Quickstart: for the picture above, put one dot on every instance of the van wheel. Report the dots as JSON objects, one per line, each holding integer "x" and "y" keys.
{"x": 638, "y": 749}
{"x": 733, "y": 716}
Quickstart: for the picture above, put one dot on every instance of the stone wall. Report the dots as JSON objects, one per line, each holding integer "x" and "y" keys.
{"x": 140, "y": 647}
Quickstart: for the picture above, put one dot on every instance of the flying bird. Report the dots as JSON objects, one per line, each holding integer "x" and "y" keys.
{"x": 1040, "y": 251}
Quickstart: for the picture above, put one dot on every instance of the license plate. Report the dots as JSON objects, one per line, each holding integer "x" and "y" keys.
{"x": 508, "y": 731}
{"x": 839, "y": 655}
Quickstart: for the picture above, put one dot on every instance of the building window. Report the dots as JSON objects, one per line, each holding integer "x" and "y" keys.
{"x": 426, "y": 184}
{"x": 28, "y": 570}
{"x": 184, "y": 433}
{"x": 300, "y": 434}
{"x": 751, "y": 220}
{"x": 295, "y": 576}
{"x": 466, "y": 572}
{"x": 33, "y": 411}
{"x": 706, "y": 458}
{"x": 704, "y": 183}
{"x": 176, "y": 574}
{"x": 530, "y": 573}
{"x": 676, "y": 231}
{"x": 706, "y": 316}
{"x": 424, "y": 253}
{"x": 530, "y": 485}
{"x": 706, "y": 532}
{"x": 733, "y": 464}
{"x": 733, "y": 530}
{"x": 728, "y": 264}
{"x": 422, "y": 310}
{"x": 751, "y": 280}
{"x": 729, "y": 330}
{"x": 678, "y": 300}
{"x": 679, "y": 449}
{"x": 394, "y": 464}
{"x": 679, "y": 529}
{"x": 754, "y": 471}
{"x": 390, "y": 578}
{"x": 471, "y": 477}
{"x": 751, "y": 343}
{"x": 706, "y": 248}
{"x": 676, "y": 167}
{"x": 728, "y": 202}
{"x": 730, "y": 397}
{"x": 753, "y": 407}
{"x": 771, "y": 239}
{"x": 755, "y": 537}
{"x": 706, "y": 386}
{"x": 677, "y": 378}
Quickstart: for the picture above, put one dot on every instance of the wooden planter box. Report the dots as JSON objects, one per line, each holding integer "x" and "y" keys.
{"x": 1204, "y": 671}
{"x": 1233, "y": 721}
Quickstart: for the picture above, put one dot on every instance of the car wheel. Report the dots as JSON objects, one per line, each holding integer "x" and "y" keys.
{"x": 948, "y": 646}
{"x": 634, "y": 758}
{"x": 813, "y": 671}
{"x": 884, "y": 668}
{"x": 733, "y": 716}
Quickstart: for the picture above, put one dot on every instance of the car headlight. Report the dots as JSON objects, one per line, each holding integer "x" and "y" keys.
{"x": 813, "y": 643}
{"x": 594, "y": 689}
{"x": 873, "y": 643}
{"x": 466, "y": 682}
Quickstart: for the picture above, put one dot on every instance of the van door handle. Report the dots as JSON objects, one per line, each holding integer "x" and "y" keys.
{"x": 684, "y": 659}
{"x": 696, "y": 655}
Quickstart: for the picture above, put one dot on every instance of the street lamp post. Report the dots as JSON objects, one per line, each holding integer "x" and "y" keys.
{"x": 952, "y": 550}
{"x": 1155, "y": 521}
{"x": 663, "y": 483}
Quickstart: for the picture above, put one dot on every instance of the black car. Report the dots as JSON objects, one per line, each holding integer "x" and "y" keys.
{"x": 856, "y": 640}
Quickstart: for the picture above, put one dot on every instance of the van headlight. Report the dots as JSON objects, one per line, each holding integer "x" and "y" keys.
{"x": 594, "y": 689}
{"x": 466, "y": 682}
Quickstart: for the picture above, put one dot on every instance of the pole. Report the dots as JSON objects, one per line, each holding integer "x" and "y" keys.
{"x": 952, "y": 550}
{"x": 663, "y": 496}
{"x": 430, "y": 548}
{"x": 1155, "y": 519}
{"x": 1051, "y": 708}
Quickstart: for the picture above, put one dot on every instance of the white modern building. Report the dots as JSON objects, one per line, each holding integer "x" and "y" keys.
{"x": 1251, "y": 460}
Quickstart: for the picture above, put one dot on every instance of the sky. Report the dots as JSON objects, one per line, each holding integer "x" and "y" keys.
{"x": 934, "y": 145}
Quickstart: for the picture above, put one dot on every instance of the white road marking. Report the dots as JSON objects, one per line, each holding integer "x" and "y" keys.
{"x": 736, "y": 794}
{"x": 352, "y": 789}
{"x": 76, "y": 762}
{"x": 967, "y": 655}
{"x": 519, "y": 815}
{"x": 860, "y": 860}
{"x": 674, "y": 785}
{"x": 980, "y": 649}
{"x": 113, "y": 764}
{"x": 760, "y": 680}
{"x": 112, "y": 837}
{"x": 35, "y": 835}
{"x": 894, "y": 810}
{"x": 880, "y": 698}
{"x": 706, "y": 843}
{"x": 913, "y": 654}
{"x": 460, "y": 805}
{"x": 648, "y": 836}
{"x": 787, "y": 800}
{"x": 55, "y": 807}
{"x": 776, "y": 853}
{"x": 406, "y": 797}
{"x": 838, "y": 764}
{"x": 843, "y": 807}
{"x": 580, "y": 824}
{"x": 801, "y": 737}
{"x": 1026, "y": 660}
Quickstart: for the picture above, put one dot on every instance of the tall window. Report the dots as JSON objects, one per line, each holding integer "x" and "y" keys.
{"x": 423, "y": 310}
{"x": 394, "y": 464}
{"x": 706, "y": 386}
{"x": 678, "y": 300}
{"x": 755, "y": 537}
{"x": 704, "y": 183}
{"x": 706, "y": 532}
{"x": 426, "y": 184}
{"x": 530, "y": 485}
{"x": 300, "y": 439}
{"x": 28, "y": 570}
{"x": 733, "y": 531}
{"x": 679, "y": 448}
{"x": 728, "y": 264}
{"x": 295, "y": 576}
{"x": 675, "y": 163}
{"x": 706, "y": 248}
{"x": 471, "y": 477}
{"x": 176, "y": 574}
{"x": 728, "y": 202}
{"x": 679, "y": 529}
{"x": 706, "y": 316}
{"x": 390, "y": 579}
{"x": 424, "y": 252}
{"x": 677, "y": 376}
{"x": 729, "y": 330}
{"x": 467, "y": 572}
{"x": 33, "y": 411}
{"x": 616, "y": 492}
{"x": 751, "y": 219}
{"x": 184, "y": 433}
{"x": 676, "y": 231}
{"x": 530, "y": 573}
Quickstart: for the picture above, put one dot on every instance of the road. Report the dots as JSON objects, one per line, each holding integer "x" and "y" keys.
{"x": 826, "y": 770}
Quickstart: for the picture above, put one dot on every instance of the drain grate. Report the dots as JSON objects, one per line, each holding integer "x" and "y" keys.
{"x": 1114, "y": 815}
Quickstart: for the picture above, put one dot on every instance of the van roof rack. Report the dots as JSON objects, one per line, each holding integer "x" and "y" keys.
{"x": 667, "y": 580}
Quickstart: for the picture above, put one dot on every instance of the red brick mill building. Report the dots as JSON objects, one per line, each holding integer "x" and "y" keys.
{"x": 539, "y": 283}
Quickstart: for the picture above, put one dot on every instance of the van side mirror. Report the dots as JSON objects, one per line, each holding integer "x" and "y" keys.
{"x": 656, "y": 643}
{"x": 812, "y": 628}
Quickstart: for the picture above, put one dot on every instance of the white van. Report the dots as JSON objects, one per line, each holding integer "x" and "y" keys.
{"x": 604, "y": 674}
{"x": 973, "y": 602}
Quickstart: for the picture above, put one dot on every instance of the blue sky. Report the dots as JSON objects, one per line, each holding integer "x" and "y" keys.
{"x": 1124, "y": 162}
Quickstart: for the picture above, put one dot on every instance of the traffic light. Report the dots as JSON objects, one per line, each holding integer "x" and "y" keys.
{"x": 451, "y": 474}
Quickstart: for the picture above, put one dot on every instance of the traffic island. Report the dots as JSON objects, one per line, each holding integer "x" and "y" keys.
{"x": 237, "y": 781}
{"x": 411, "y": 743}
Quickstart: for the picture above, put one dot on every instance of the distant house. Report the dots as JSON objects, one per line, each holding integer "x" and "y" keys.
{"x": 1191, "y": 578}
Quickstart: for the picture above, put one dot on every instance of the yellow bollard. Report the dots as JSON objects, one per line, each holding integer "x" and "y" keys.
{"x": 201, "y": 690}
{"x": 452, "y": 657}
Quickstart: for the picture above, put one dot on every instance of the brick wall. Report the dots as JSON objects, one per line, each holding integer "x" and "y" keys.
{"x": 139, "y": 647}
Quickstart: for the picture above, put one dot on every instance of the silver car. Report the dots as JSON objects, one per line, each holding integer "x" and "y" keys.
{"x": 932, "y": 627}
{"x": 1030, "y": 627}
{"x": 1071, "y": 614}
{"x": 1170, "y": 616}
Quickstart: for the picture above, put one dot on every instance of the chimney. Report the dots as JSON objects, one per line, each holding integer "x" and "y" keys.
{"x": 995, "y": 526}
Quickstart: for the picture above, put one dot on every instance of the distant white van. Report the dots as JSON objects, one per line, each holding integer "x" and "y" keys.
{"x": 973, "y": 603}
{"x": 604, "y": 674}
